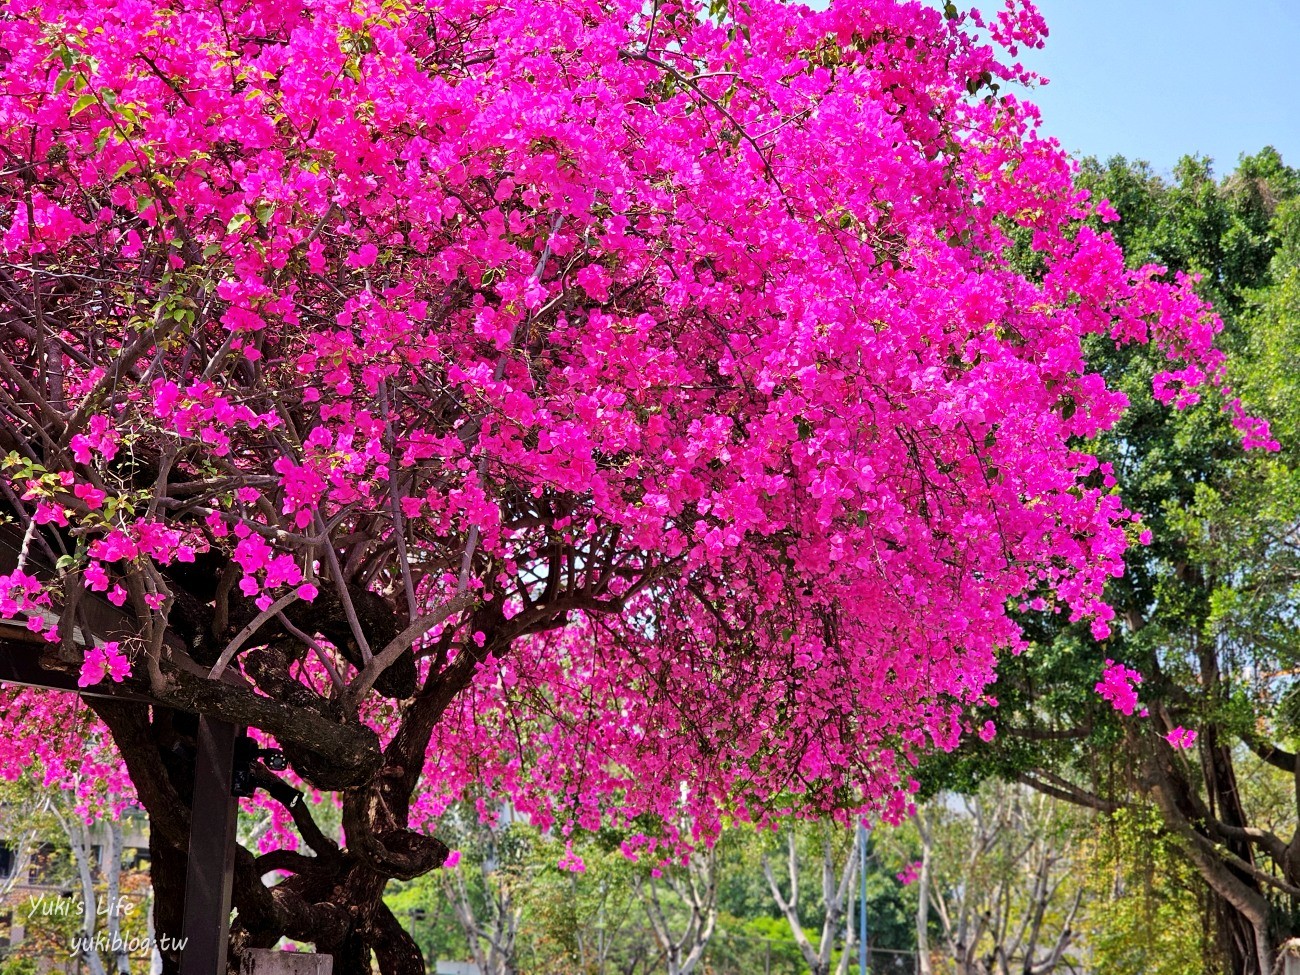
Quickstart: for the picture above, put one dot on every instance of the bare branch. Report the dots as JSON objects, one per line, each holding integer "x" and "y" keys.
{"x": 243, "y": 636}
{"x": 365, "y": 680}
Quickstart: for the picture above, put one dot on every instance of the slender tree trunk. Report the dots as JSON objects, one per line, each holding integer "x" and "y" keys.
{"x": 698, "y": 890}
{"x": 111, "y": 867}
{"x": 835, "y": 901}
{"x": 79, "y": 841}
{"x": 151, "y": 932}
{"x": 923, "y": 966}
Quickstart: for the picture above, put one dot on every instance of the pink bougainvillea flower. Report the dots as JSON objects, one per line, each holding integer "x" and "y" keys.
{"x": 1118, "y": 685}
{"x": 1181, "y": 738}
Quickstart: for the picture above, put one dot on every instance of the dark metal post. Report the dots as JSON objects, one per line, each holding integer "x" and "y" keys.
{"x": 211, "y": 869}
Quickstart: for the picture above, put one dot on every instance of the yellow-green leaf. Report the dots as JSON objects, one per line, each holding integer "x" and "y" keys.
{"x": 81, "y": 104}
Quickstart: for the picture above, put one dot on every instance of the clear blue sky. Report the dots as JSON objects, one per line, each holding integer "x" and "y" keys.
{"x": 1155, "y": 79}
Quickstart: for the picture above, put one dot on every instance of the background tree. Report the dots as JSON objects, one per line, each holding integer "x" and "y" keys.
{"x": 833, "y": 876}
{"x": 485, "y": 890}
{"x": 1145, "y": 906}
{"x": 1207, "y": 609}
{"x": 573, "y": 903}
{"x": 23, "y": 809}
{"x": 998, "y": 878}
{"x": 683, "y": 940}
{"x": 87, "y": 903}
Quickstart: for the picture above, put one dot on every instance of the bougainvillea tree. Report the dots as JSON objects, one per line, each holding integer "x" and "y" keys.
{"x": 647, "y": 411}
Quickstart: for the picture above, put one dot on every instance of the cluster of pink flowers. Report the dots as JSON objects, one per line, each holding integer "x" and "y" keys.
{"x": 63, "y": 747}
{"x": 570, "y": 860}
{"x": 101, "y": 661}
{"x": 703, "y": 336}
{"x": 1119, "y": 685}
{"x": 1181, "y": 737}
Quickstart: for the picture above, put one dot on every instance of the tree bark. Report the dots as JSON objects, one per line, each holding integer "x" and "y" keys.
{"x": 333, "y": 899}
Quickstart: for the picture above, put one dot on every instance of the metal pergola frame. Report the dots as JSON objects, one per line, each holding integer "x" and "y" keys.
{"x": 214, "y": 807}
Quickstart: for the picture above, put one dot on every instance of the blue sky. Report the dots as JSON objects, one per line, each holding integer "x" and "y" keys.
{"x": 1155, "y": 79}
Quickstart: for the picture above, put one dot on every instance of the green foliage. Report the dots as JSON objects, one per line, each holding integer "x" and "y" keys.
{"x": 569, "y": 918}
{"x": 755, "y": 944}
{"x": 428, "y": 918}
{"x": 18, "y": 965}
{"x": 45, "y": 896}
{"x": 1207, "y": 611}
{"x": 594, "y": 920}
{"x": 1221, "y": 570}
{"x": 1145, "y": 914}
{"x": 891, "y": 909}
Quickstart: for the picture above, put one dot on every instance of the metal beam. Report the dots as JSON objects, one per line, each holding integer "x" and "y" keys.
{"x": 20, "y": 663}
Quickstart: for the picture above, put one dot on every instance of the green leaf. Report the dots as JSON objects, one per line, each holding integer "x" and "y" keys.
{"x": 81, "y": 104}
{"x": 237, "y": 221}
